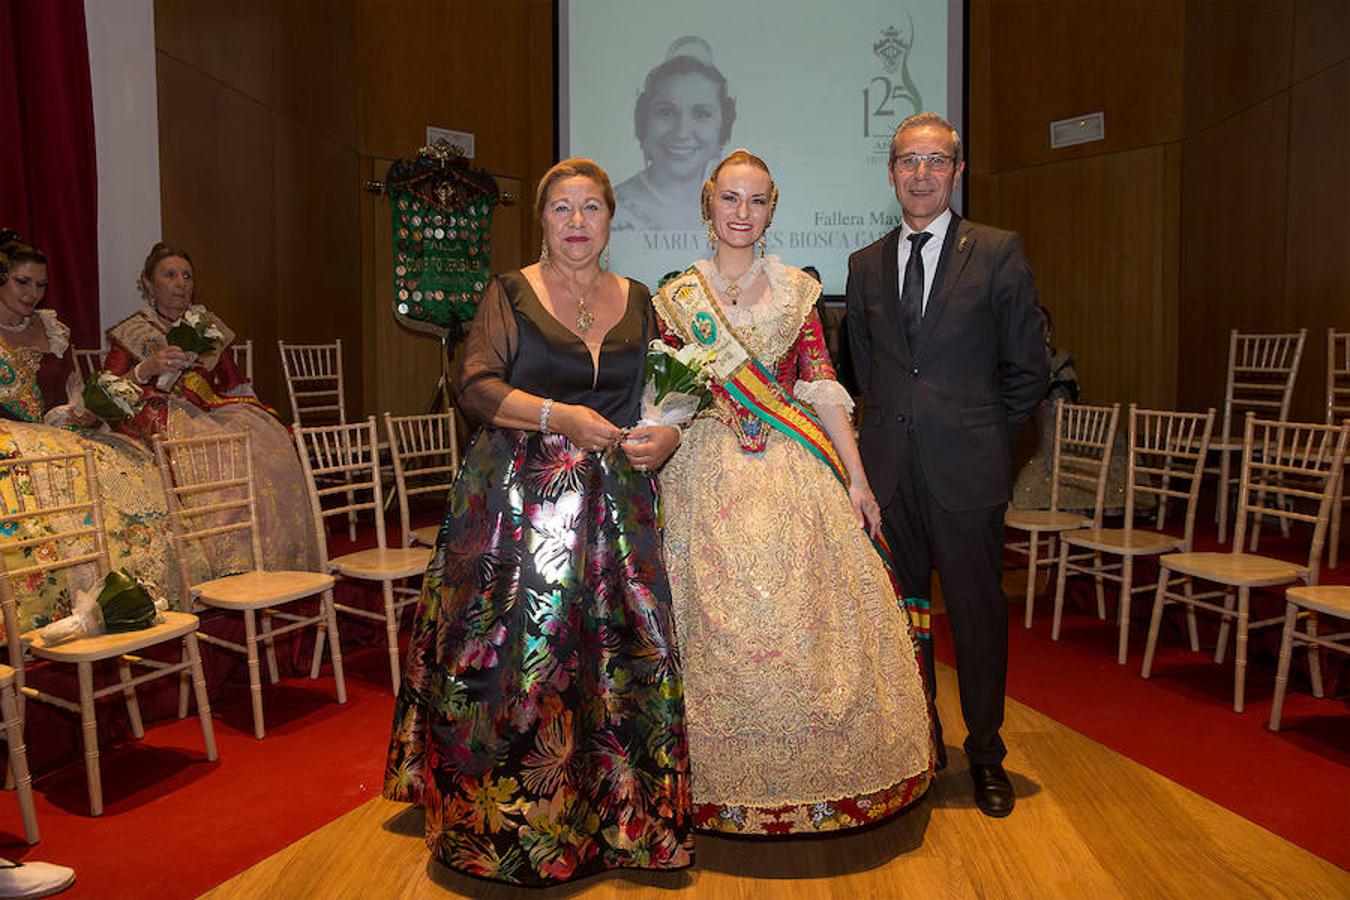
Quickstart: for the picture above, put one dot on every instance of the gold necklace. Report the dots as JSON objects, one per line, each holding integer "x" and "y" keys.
{"x": 733, "y": 288}
{"x": 585, "y": 318}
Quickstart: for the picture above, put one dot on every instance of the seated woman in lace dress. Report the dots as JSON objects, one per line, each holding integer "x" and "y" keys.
{"x": 805, "y": 705}
{"x": 189, "y": 396}
{"x": 36, "y": 382}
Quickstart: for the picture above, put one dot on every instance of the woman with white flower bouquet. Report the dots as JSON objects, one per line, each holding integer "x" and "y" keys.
{"x": 805, "y": 704}
{"x": 177, "y": 353}
{"x": 45, "y": 408}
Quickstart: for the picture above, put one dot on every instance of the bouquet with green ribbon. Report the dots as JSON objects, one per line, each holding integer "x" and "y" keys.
{"x": 122, "y": 605}
{"x": 111, "y": 397}
{"x": 677, "y": 383}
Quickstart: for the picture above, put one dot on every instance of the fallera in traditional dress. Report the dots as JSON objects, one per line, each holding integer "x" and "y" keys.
{"x": 33, "y": 393}
{"x": 211, "y": 397}
{"x": 541, "y": 717}
{"x": 805, "y": 705}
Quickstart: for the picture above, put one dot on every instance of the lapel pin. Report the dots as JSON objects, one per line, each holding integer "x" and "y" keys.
{"x": 961, "y": 244}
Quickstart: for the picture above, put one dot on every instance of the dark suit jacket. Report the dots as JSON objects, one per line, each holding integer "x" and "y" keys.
{"x": 975, "y": 374}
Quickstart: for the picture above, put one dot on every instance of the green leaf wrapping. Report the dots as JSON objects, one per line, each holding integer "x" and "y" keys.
{"x": 125, "y": 603}
{"x": 185, "y": 337}
{"x": 100, "y": 404}
{"x": 670, "y": 376}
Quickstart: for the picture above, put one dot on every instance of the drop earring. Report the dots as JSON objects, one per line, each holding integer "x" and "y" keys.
{"x": 712, "y": 240}
{"x": 763, "y": 245}
{"x": 543, "y": 251}
{"x": 604, "y": 259}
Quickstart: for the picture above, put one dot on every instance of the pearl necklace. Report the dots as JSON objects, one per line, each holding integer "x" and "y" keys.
{"x": 20, "y": 328}
{"x": 733, "y": 288}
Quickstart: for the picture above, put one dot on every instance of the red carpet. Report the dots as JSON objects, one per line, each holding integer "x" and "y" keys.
{"x": 1180, "y": 723}
{"x": 176, "y": 826}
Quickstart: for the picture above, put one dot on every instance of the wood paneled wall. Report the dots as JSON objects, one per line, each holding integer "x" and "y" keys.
{"x": 274, "y": 114}
{"x": 1218, "y": 199}
{"x": 1266, "y": 187}
{"x": 1099, "y": 221}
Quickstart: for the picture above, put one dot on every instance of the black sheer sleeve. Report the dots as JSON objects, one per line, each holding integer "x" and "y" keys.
{"x": 489, "y": 351}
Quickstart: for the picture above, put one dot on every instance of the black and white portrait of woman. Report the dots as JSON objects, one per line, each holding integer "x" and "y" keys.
{"x": 683, "y": 119}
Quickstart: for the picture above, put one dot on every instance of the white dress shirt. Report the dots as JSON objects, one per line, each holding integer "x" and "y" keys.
{"x": 932, "y": 250}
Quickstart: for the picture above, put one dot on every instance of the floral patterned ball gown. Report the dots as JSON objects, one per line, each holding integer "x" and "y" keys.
{"x": 541, "y": 717}
{"x": 806, "y": 709}
{"x": 33, "y": 391}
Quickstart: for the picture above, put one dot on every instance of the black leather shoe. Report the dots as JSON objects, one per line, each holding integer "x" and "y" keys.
{"x": 993, "y": 791}
{"x": 940, "y": 758}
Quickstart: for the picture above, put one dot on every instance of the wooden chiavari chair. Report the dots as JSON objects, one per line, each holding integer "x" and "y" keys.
{"x": 1338, "y": 409}
{"x": 314, "y": 383}
{"x": 1286, "y": 466}
{"x": 1167, "y": 454}
{"x": 54, "y": 522}
{"x": 1084, "y": 436}
{"x": 87, "y": 362}
{"x": 1307, "y": 603}
{"x": 209, "y": 483}
{"x": 346, "y": 457}
{"x": 1262, "y": 369}
{"x": 18, "y": 754}
{"x": 425, "y": 460}
{"x": 243, "y": 357}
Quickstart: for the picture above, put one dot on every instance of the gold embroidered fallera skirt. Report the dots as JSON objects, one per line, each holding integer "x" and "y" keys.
{"x": 804, "y": 703}
{"x": 285, "y": 517}
{"x": 135, "y": 516}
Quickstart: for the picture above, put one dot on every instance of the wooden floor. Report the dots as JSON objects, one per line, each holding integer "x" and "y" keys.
{"x": 1088, "y": 823}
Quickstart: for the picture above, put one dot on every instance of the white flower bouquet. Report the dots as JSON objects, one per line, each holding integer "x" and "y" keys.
{"x": 111, "y": 397}
{"x": 195, "y": 334}
{"x": 677, "y": 383}
{"x": 122, "y": 604}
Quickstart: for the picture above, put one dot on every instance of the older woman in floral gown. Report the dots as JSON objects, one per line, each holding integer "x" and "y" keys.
{"x": 541, "y": 716}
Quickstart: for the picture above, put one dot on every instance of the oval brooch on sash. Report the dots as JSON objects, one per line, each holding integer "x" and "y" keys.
{"x": 704, "y": 328}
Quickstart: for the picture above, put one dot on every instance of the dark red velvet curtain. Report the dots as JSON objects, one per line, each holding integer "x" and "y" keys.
{"x": 48, "y": 176}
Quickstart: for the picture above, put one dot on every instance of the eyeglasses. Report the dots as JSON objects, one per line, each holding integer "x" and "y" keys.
{"x": 937, "y": 162}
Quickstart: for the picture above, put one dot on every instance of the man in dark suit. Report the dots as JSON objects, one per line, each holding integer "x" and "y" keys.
{"x": 948, "y": 352}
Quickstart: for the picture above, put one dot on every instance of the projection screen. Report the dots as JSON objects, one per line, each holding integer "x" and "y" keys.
{"x": 658, "y": 92}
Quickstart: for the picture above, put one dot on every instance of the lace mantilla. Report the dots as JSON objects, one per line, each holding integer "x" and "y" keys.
{"x": 770, "y": 329}
{"x": 58, "y": 334}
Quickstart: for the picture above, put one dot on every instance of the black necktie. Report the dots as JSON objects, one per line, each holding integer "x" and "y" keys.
{"x": 911, "y": 292}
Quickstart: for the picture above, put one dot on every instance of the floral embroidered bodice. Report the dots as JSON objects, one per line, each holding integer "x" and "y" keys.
{"x": 785, "y": 335}
{"x": 20, "y": 389}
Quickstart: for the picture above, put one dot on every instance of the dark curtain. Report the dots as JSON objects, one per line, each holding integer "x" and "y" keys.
{"x": 48, "y": 177}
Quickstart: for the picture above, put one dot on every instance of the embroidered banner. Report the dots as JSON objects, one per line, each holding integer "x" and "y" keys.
{"x": 442, "y": 221}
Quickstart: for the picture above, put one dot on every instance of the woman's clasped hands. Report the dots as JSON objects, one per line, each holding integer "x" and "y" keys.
{"x": 646, "y": 446}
